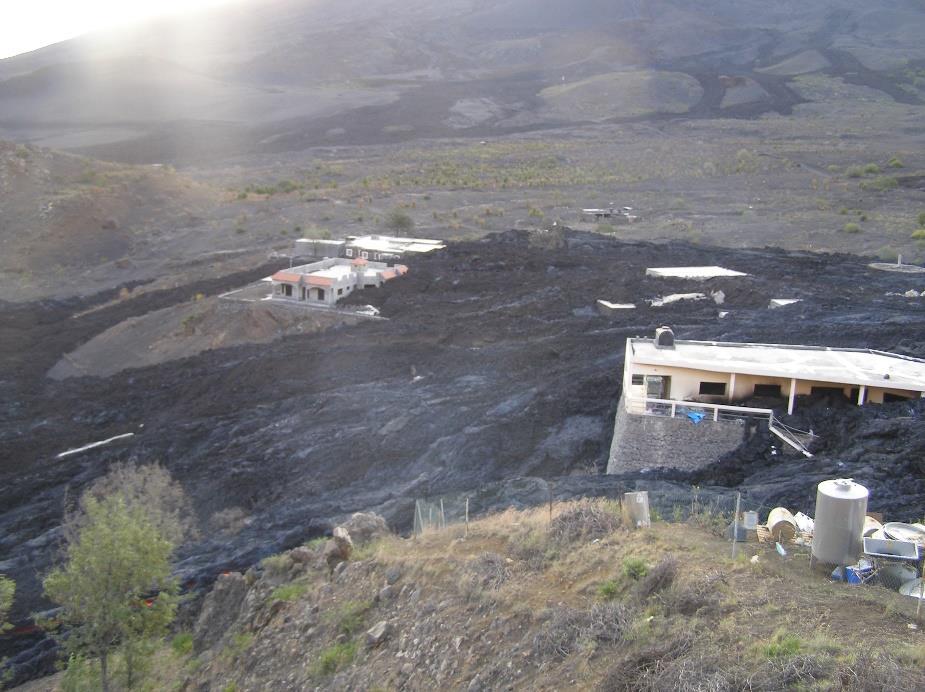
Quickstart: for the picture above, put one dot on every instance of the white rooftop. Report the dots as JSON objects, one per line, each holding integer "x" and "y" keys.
{"x": 816, "y": 363}
{"x": 338, "y": 271}
{"x": 691, "y": 272}
{"x": 385, "y": 243}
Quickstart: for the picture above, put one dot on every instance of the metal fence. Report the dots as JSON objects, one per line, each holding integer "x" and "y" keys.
{"x": 721, "y": 512}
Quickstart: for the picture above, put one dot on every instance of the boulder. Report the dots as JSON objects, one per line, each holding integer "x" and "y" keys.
{"x": 219, "y": 610}
{"x": 364, "y": 527}
{"x": 338, "y": 548}
{"x": 377, "y": 634}
{"x": 301, "y": 555}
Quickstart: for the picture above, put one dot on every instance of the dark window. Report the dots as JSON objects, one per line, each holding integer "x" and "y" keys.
{"x": 287, "y": 290}
{"x": 639, "y": 379}
{"x": 349, "y": 252}
{"x": 369, "y": 286}
{"x": 713, "y": 388}
{"x": 767, "y": 390}
{"x": 340, "y": 291}
{"x": 855, "y": 393}
{"x": 889, "y": 398}
{"x": 827, "y": 391}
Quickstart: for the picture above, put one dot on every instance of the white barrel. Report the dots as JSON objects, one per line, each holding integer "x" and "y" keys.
{"x": 841, "y": 506}
{"x": 782, "y": 525}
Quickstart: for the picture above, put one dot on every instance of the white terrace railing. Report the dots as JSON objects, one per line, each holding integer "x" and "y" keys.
{"x": 716, "y": 412}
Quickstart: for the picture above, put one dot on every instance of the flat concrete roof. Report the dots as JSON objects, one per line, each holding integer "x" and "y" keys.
{"x": 814, "y": 363}
{"x": 385, "y": 243}
{"x": 691, "y": 272}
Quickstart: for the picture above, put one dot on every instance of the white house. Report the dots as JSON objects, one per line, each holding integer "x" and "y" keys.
{"x": 388, "y": 248}
{"x": 664, "y": 370}
{"x": 327, "y": 281}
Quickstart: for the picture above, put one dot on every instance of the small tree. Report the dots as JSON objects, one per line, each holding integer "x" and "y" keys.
{"x": 7, "y": 592}
{"x": 115, "y": 587}
{"x": 399, "y": 221}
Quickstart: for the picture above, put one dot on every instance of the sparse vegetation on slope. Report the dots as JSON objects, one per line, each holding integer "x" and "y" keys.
{"x": 678, "y": 614}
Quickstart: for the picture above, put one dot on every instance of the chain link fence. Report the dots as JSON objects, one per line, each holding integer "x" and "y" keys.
{"x": 722, "y": 512}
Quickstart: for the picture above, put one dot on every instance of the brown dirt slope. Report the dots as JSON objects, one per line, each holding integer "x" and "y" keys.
{"x": 525, "y": 603}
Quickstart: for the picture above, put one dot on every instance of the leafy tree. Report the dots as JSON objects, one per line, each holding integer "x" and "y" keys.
{"x": 114, "y": 586}
{"x": 399, "y": 221}
{"x": 7, "y": 591}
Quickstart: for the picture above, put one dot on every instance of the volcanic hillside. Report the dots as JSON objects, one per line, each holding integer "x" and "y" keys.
{"x": 493, "y": 365}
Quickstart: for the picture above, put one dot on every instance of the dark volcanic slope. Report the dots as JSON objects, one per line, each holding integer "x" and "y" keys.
{"x": 493, "y": 365}
{"x": 258, "y": 77}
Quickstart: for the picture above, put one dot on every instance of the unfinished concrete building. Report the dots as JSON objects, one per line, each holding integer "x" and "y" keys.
{"x": 681, "y": 403}
{"x": 326, "y": 282}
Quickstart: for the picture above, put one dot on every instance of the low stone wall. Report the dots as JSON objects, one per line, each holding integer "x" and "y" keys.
{"x": 654, "y": 442}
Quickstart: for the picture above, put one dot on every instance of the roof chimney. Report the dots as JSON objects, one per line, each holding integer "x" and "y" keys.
{"x": 664, "y": 338}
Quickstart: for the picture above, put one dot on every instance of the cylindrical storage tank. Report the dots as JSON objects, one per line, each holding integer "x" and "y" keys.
{"x": 841, "y": 506}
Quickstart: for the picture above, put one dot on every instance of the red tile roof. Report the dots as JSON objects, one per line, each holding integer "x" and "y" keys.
{"x": 360, "y": 260}
{"x": 286, "y": 277}
{"x": 318, "y": 280}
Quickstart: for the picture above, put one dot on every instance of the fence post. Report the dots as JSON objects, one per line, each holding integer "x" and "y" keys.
{"x": 420, "y": 516}
{"x": 442, "y": 515}
{"x": 549, "y": 492}
{"x": 467, "y": 517}
{"x": 735, "y": 525}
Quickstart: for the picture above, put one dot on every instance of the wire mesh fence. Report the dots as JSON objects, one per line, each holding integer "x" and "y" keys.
{"x": 748, "y": 525}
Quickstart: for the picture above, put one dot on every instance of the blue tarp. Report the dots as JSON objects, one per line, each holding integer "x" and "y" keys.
{"x": 695, "y": 416}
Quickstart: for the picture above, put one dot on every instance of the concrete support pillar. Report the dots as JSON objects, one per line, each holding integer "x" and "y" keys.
{"x": 732, "y": 387}
{"x": 862, "y": 395}
{"x": 793, "y": 396}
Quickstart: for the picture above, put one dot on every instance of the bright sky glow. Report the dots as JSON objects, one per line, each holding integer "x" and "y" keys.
{"x": 26, "y": 25}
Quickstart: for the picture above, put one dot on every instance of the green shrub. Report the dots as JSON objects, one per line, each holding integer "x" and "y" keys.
{"x": 277, "y": 565}
{"x": 888, "y": 254}
{"x": 881, "y": 183}
{"x": 289, "y": 592}
{"x": 854, "y": 171}
{"x": 921, "y": 219}
{"x": 896, "y": 162}
{"x": 635, "y": 568}
{"x": 237, "y": 646}
{"x": 399, "y": 221}
{"x": 871, "y": 169}
{"x": 606, "y": 228}
{"x": 182, "y": 643}
{"x": 918, "y": 234}
{"x": 851, "y": 228}
{"x": 335, "y": 658}
{"x": 608, "y": 590}
{"x": 349, "y": 618}
{"x": 782, "y": 645}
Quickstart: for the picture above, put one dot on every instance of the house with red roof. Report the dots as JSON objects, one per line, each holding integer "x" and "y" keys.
{"x": 325, "y": 282}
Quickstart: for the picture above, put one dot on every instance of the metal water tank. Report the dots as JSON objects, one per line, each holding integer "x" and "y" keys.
{"x": 841, "y": 506}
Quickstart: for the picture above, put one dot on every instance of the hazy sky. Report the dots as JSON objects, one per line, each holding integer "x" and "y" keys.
{"x": 29, "y": 24}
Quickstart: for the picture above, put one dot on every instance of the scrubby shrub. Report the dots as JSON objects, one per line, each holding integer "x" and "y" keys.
{"x": 692, "y": 598}
{"x": 635, "y": 568}
{"x": 851, "y": 228}
{"x": 399, "y": 222}
{"x": 921, "y": 219}
{"x": 918, "y": 234}
{"x": 854, "y": 171}
{"x": 277, "y": 565}
{"x": 489, "y": 570}
{"x": 349, "y": 617}
{"x": 658, "y": 579}
{"x": 608, "y": 590}
{"x": 896, "y": 162}
{"x": 568, "y": 628}
{"x": 888, "y": 254}
{"x": 586, "y": 520}
{"x": 783, "y": 644}
{"x": 289, "y": 592}
{"x": 335, "y": 658}
{"x": 881, "y": 183}
{"x": 636, "y": 668}
{"x": 871, "y": 169}
{"x": 182, "y": 643}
